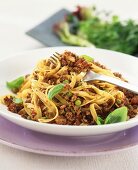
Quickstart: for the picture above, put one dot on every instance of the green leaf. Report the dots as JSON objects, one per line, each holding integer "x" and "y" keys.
{"x": 17, "y": 100}
{"x": 87, "y": 58}
{"x": 15, "y": 84}
{"x": 99, "y": 121}
{"x": 65, "y": 81}
{"x": 118, "y": 115}
{"x": 63, "y": 31}
{"x": 114, "y": 35}
{"x": 92, "y": 30}
{"x": 115, "y": 18}
{"x": 55, "y": 90}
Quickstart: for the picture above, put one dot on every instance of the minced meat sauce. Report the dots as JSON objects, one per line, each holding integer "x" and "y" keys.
{"x": 74, "y": 115}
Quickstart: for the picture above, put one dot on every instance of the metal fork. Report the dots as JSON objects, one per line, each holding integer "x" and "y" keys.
{"x": 53, "y": 59}
{"x": 95, "y": 76}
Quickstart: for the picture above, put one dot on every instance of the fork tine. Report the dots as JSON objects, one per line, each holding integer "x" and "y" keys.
{"x": 57, "y": 54}
{"x": 52, "y": 60}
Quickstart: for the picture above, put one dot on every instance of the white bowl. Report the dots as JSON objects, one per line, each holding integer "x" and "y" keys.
{"x": 23, "y": 63}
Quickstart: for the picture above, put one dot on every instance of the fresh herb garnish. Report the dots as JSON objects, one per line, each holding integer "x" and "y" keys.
{"x": 15, "y": 84}
{"x": 99, "y": 121}
{"x": 17, "y": 100}
{"x": 55, "y": 90}
{"x": 87, "y": 58}
{"x": 65, "y": 81}
{"x": 118, "y": 115}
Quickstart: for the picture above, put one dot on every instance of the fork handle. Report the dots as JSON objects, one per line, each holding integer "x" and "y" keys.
{"x": 117, "y": 82}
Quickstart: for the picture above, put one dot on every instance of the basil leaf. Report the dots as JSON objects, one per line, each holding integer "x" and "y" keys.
{"x": 66, "y": 82}
{"x": 87, "y": 58}
{"x": 15, "y": 84}
{"x": 99, "y": 121}
{"x": 17, "y": 100}
{"x": 55, "y": 90}
{"x": 118, "y": 115}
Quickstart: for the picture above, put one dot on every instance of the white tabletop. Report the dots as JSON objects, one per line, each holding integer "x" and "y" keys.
{"x": 16, "y": 17}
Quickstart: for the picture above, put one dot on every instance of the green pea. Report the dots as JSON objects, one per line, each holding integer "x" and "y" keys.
{"x": 69, "y": 94}
{"x": 77, "y": 102}
{"x": 118, "y": 101}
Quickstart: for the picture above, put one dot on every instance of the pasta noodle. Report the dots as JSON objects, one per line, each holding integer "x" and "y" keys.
{"x": 78, "y": 102}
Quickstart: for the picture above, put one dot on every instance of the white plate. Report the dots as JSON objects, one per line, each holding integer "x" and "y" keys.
{"x": 24, "y": 63}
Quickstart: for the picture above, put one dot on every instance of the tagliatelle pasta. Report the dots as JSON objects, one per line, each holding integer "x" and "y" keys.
{"x": 56, "y": 93}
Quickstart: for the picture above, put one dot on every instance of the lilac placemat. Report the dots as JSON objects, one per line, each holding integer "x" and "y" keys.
{"x": 28, "y": 140}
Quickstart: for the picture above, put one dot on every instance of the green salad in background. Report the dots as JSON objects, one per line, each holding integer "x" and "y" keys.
{"x": 85, "y": 27}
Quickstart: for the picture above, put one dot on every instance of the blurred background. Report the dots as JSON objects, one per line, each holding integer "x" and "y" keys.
{"x": 17, "y": 17}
